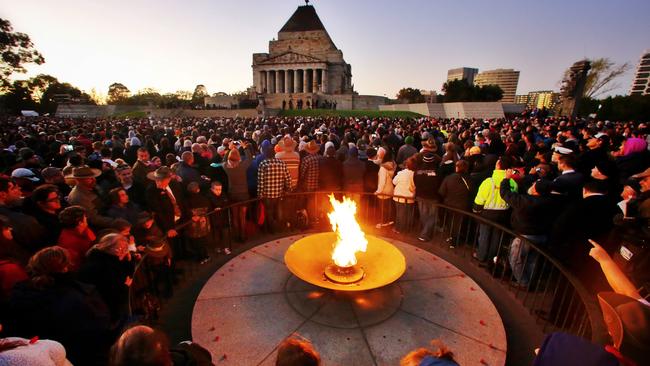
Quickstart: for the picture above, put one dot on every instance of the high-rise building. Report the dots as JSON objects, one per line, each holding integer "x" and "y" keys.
{"x": 506, "y": 79}
{"x": 641, "y": 83}
{"x": 466, "y": 73}
{"x": 521, "y": 99}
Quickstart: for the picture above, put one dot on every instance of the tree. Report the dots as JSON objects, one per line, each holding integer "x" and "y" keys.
{"x": 56, "y": 91}
{"x": 97, "y": 97}
{"x": 200, "y": 92}
{"x": 462, "y": 91}
{"x": 39, "y": 84}
{"x": 410, "y": 95}
{"x": 17, "y": 50}
{"x": 601, "y": 76}
{"x": 183, "y": 95}
{"x": 146, "y": 96}
{"x": 118, "y": 93}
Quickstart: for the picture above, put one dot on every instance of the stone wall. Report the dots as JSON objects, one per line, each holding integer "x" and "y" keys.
{"x": 451, "y": 110}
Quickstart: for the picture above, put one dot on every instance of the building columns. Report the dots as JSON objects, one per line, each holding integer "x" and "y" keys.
{"x": 267, "y": 81}
{"x": 305, "y": 81}
{"x": 324, "y": 82}
{"x": 296, "y": 79}
{"x": 287, "y": 85}
{"x": 314, "y": 81}
{"x": 278, "y": 82}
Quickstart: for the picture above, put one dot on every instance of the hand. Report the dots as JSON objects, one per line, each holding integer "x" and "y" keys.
{"x": 172, "y": 233}
{"x": 598, "y": 253}
{"x": 140, "y": 248}
{"x": 128, "y": 281}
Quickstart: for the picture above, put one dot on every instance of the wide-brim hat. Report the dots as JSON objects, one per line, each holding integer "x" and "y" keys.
{"x": 84, "y": 172}
{"x": 161, "y": 173}
{"x": 627, "y": 321}
{"x": 312, "y": 147}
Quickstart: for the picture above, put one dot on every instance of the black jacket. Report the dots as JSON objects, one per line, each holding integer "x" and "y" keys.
{"x": 159, "y": 203}
{"x": 455, "y": 191}
{"x": 531, "y": 215}
{"x": 427, "y": 181}
{"x": 108, "y": 274}
{"x": 370, "y": 176}
{"x": 69, "y": 312}
{"x": 569, "y": 184}
{"x": 330, "y": 174}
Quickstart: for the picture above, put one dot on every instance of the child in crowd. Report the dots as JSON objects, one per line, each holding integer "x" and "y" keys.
{"x": 220, "y": 219}
{"x": 159, "y": 261}
{"x": 199, "y": 228}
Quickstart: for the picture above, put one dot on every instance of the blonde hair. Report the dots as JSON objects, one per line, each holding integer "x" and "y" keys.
{"x": 113, "y": 243}
{"x": 415, "y": 357}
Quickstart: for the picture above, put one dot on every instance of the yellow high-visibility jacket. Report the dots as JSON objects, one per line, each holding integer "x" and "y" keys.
{"x": 488, "y": 194}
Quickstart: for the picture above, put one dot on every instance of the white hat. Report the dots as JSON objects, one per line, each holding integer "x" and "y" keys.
{"x": 24, "y": 173}
{"x": 563, "y": 150}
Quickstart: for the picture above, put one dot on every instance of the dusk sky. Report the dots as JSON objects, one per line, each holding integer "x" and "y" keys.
{"x": 173, "y": 45}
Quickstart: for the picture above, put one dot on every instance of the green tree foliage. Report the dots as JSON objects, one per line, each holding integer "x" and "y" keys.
{"x": 618, "y": 108}
{"x": 41, "y": 93}
{"x": 462, "y": 91}
{"x": 118, "y": 93}
{"x": 200, "y": 92}
{"x": 16, "y": 50}
{"x": 410, "y": 95}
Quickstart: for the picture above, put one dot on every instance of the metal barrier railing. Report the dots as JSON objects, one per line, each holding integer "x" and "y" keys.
{"x": 552, "y": 295}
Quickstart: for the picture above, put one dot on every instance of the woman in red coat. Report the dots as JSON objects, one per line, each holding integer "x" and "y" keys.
{"x": 76, "y": 236}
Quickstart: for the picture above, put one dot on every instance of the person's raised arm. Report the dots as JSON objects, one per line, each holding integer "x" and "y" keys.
{"x": 615, "y": 277}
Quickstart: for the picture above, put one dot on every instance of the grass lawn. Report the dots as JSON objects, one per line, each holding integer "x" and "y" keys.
{"x": 347, "y": 113}
{"x": 132, "y": 114}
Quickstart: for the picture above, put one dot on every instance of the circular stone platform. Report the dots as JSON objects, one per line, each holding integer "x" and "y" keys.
{"x": 253, "y": 302}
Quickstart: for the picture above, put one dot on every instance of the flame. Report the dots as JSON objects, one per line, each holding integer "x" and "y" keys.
{"x": 350, "y": 238}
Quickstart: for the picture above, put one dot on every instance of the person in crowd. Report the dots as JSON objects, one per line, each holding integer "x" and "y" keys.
{"x": 76, "y": 236}
{"x": 297, "y": 352}
{"x": 309, "y": 177}
{"x": 28, "y": 233}
{"x": 632, "y": 157}
{"x": 166, "y": 200}
{"x": 84, "y": 194}
{"x": 405, "y": 151}
{"x": 427, "y": 183}
{"x": 274, "y": 181}
{"x": 439, "y": 356}
{"x": 12, "y": 260}
{"x": 219, "y": 220}
{"x": 385, "y": 187}
{"x": 456, "y": 191}
{"x": 199, "y": 227}
{"x": 291, "y": 158}
{"x": 532, "y": 218}
{"x": 26, "y": 179}
{"x": 404, "y": 193}
{"x": 143, "y": 345}
{"x": 45, "y": 205}
{"x": 53, "y": 305}
{"x": 53, "y": 175}
{"x": 121, "y": 206}
{"x": 134, "y": 189}
{"x": 569, "y": 182}
{"x": 158, "y": 254}
{"x": 238, "y": 182}
{"x": 353, "y": 173}
{"x": 186, "y": 169}
{"x": 142, "y": 167}
{"x": 330, "y": 171}
{"x": 108, "y": 267}
{"x": 590, "y": 217}
{"x": 491, "y": 206}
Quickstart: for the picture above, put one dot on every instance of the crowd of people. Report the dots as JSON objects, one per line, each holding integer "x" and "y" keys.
{"x": 82, "y": 202}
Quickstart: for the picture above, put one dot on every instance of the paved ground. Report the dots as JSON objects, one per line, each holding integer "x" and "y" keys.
{"x": 252, "y": 302}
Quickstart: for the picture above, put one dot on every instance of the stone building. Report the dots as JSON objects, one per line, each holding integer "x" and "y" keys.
{"x": 305, "y": 68}
{"x": 506, "y": 79}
